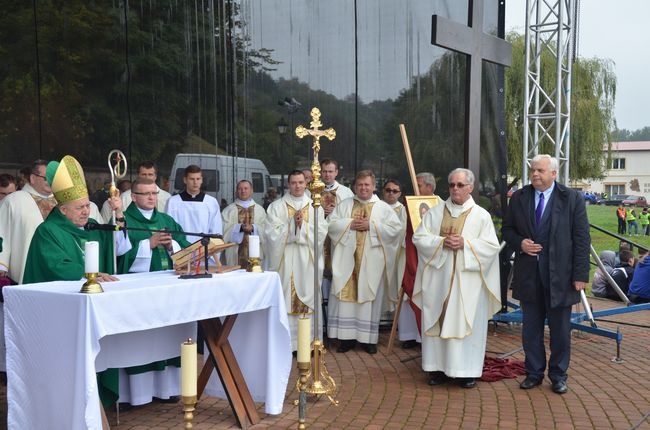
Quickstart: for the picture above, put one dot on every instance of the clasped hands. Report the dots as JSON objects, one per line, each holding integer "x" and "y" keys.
{"x": 454, "y": 242}
{"x": 161, "y": 238}
{"x": 360, "y": 223}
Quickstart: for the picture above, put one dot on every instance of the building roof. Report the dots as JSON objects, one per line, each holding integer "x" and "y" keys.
{"x": 631, "y": 146}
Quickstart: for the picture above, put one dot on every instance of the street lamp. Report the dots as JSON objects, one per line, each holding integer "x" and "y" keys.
{"x": 291, "y": 105}
{"x": 282, "y": 130}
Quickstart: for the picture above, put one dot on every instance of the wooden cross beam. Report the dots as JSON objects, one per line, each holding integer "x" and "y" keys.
{"x": 478, "y": 46}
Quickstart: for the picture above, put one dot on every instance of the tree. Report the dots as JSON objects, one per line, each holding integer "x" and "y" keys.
{"x": 593, "y": 93}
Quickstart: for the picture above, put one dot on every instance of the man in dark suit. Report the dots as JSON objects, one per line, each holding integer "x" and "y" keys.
{"x": 546, "y": 224}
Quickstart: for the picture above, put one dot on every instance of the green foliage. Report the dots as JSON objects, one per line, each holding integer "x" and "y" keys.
{"x": 593, "y": 93}
{"x": 624, "y": 135}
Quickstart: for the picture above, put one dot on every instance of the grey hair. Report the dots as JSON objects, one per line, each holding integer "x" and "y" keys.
{"x": 552, "y": 161}
{"x": 469, "y": 175}
{"x": 428, "y": 178}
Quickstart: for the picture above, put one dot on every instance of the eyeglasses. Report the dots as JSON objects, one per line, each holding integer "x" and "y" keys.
{"x": 148, "y": 194}
{"x": 40, "y": 176}
{"x": 458, "y": 185}
{"x": 391, "y": 191}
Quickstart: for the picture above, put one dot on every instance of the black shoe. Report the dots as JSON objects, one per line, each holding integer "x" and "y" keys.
{"x": 409, "y": 344}
{"x": 467, "y": 382}
{"x": 345, "y": 345}
{"x": 530, "y": 382}
{"x": 437, "y": 378}
{"x": 371, "y": 348}
{"x": 172, "y": 399}
{"x": 560, "y": 387}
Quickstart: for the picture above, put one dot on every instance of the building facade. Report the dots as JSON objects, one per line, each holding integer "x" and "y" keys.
{"x": 628, "y": 172}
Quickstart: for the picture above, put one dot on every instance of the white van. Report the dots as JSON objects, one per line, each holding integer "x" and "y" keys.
{"x": 221, "y": 174}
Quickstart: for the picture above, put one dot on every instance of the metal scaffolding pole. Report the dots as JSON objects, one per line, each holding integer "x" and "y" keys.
{"x": 550, "y": 33}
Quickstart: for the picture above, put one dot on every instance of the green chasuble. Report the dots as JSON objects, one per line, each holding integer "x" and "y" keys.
{"x": 56, "y": 252}
{"x": 160, "y": 259}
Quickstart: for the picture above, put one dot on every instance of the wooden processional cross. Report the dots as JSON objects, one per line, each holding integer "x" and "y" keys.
{"x": 478, "y": 46}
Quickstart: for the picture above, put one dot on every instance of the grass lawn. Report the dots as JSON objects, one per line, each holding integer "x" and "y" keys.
{"x": 605, "y": 217}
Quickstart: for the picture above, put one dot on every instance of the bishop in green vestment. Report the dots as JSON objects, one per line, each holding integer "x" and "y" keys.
{"x": 56, "y": 252}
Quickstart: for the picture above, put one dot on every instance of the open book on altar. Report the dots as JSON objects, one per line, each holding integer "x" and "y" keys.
{"x": 192, "y": 258}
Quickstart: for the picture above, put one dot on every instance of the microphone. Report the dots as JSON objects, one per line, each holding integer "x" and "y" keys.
{"x": 103, "y": 227}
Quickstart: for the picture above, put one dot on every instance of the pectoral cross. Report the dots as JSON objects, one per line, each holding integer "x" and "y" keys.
{"x": 316, "y": 186}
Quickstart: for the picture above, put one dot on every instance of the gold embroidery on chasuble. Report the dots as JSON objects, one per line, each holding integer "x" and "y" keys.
{"x": 45, "y": 205}
{"x": 349, "y": 293}
{"x": 449, "y": 226}
{"x": 328, "y": 198}
{"x": 297, "y": 306}
{"x": 244, "y": 216}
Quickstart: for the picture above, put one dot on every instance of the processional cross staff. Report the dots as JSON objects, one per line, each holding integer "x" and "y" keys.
{"x": 321, "y": 382}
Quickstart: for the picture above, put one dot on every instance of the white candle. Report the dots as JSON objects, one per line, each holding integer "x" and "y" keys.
{"x": 304, "y": 340}
{"x": 253, "y": 246}
{"x": 188, "y": 368}
{"x": 91, "y": 257}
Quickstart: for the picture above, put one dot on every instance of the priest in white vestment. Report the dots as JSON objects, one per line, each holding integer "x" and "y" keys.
{"x": 365, "y": 234}
{"x": 242, "y": 219}
{"x": 457, "y": 284}
{"x": 288, "y": 238}
{"x": 20, "y": 214}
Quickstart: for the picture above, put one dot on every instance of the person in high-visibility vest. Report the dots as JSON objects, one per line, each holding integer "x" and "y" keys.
{"x": 630, "y": 217}
{"x": 645, "y": 222}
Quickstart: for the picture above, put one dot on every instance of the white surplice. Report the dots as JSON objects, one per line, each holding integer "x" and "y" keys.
{"x": 467, "y": 292}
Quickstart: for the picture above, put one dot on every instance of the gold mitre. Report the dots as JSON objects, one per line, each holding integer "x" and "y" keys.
{"x": 66, "y": 180}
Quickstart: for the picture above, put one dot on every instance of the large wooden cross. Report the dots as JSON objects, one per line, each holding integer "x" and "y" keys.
{"x": 478, "y": 46}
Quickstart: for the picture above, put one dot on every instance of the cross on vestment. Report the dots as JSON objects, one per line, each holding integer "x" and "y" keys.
{"x": 478, "y": 46}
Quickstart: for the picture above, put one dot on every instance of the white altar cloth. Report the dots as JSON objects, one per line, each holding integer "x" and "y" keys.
{"x": 57, "y": 339}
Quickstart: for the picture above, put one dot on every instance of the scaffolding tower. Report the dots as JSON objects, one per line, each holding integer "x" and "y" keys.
{"x": 550, "y": 28}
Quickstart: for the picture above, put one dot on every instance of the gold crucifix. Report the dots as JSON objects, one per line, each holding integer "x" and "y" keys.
{"x": 316, "y": 186}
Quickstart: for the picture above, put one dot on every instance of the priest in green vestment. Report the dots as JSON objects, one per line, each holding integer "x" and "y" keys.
{"x": 150, "y": 252}
{"x": 56, "y": 252}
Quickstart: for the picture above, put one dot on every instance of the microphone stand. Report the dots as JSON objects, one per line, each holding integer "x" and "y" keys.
{"x": 205, "y": 241}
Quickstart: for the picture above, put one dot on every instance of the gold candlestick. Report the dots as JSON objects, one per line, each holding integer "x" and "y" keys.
{"x": 189, "y": 403}
{"x": 254, "y": 265}
{"x": 91, "y": 286}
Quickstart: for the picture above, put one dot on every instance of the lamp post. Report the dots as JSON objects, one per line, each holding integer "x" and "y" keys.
{"x": 381, "y": 171}
{"x": 282, "y": 130}
{"x": 291, "y": 105}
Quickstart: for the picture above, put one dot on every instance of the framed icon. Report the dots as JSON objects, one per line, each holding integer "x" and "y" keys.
{"x": 417, "y": 206}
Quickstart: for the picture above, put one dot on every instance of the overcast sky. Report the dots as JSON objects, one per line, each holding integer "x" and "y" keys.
{"x": 619, "y": 31}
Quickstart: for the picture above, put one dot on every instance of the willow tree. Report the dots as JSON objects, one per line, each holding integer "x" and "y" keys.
{"x": 593, "y": 92}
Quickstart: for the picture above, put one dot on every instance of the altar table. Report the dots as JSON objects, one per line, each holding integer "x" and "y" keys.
{"x": 57, "y": 339}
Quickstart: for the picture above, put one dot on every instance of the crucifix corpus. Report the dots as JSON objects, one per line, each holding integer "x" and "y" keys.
{"x": 314, "y": 378}
{"x": 478, "y": 46}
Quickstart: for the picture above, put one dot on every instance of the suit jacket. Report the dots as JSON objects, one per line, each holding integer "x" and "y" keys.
{"x": 567, "y": 249}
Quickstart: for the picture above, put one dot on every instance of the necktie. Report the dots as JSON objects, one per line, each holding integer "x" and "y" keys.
{"x": 540, "y": 209}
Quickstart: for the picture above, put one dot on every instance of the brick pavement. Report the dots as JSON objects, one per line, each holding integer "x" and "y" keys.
{"x": 389, "y": 391}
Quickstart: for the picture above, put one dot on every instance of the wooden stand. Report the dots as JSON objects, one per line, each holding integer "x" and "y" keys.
{"x": 224, "y": 361}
